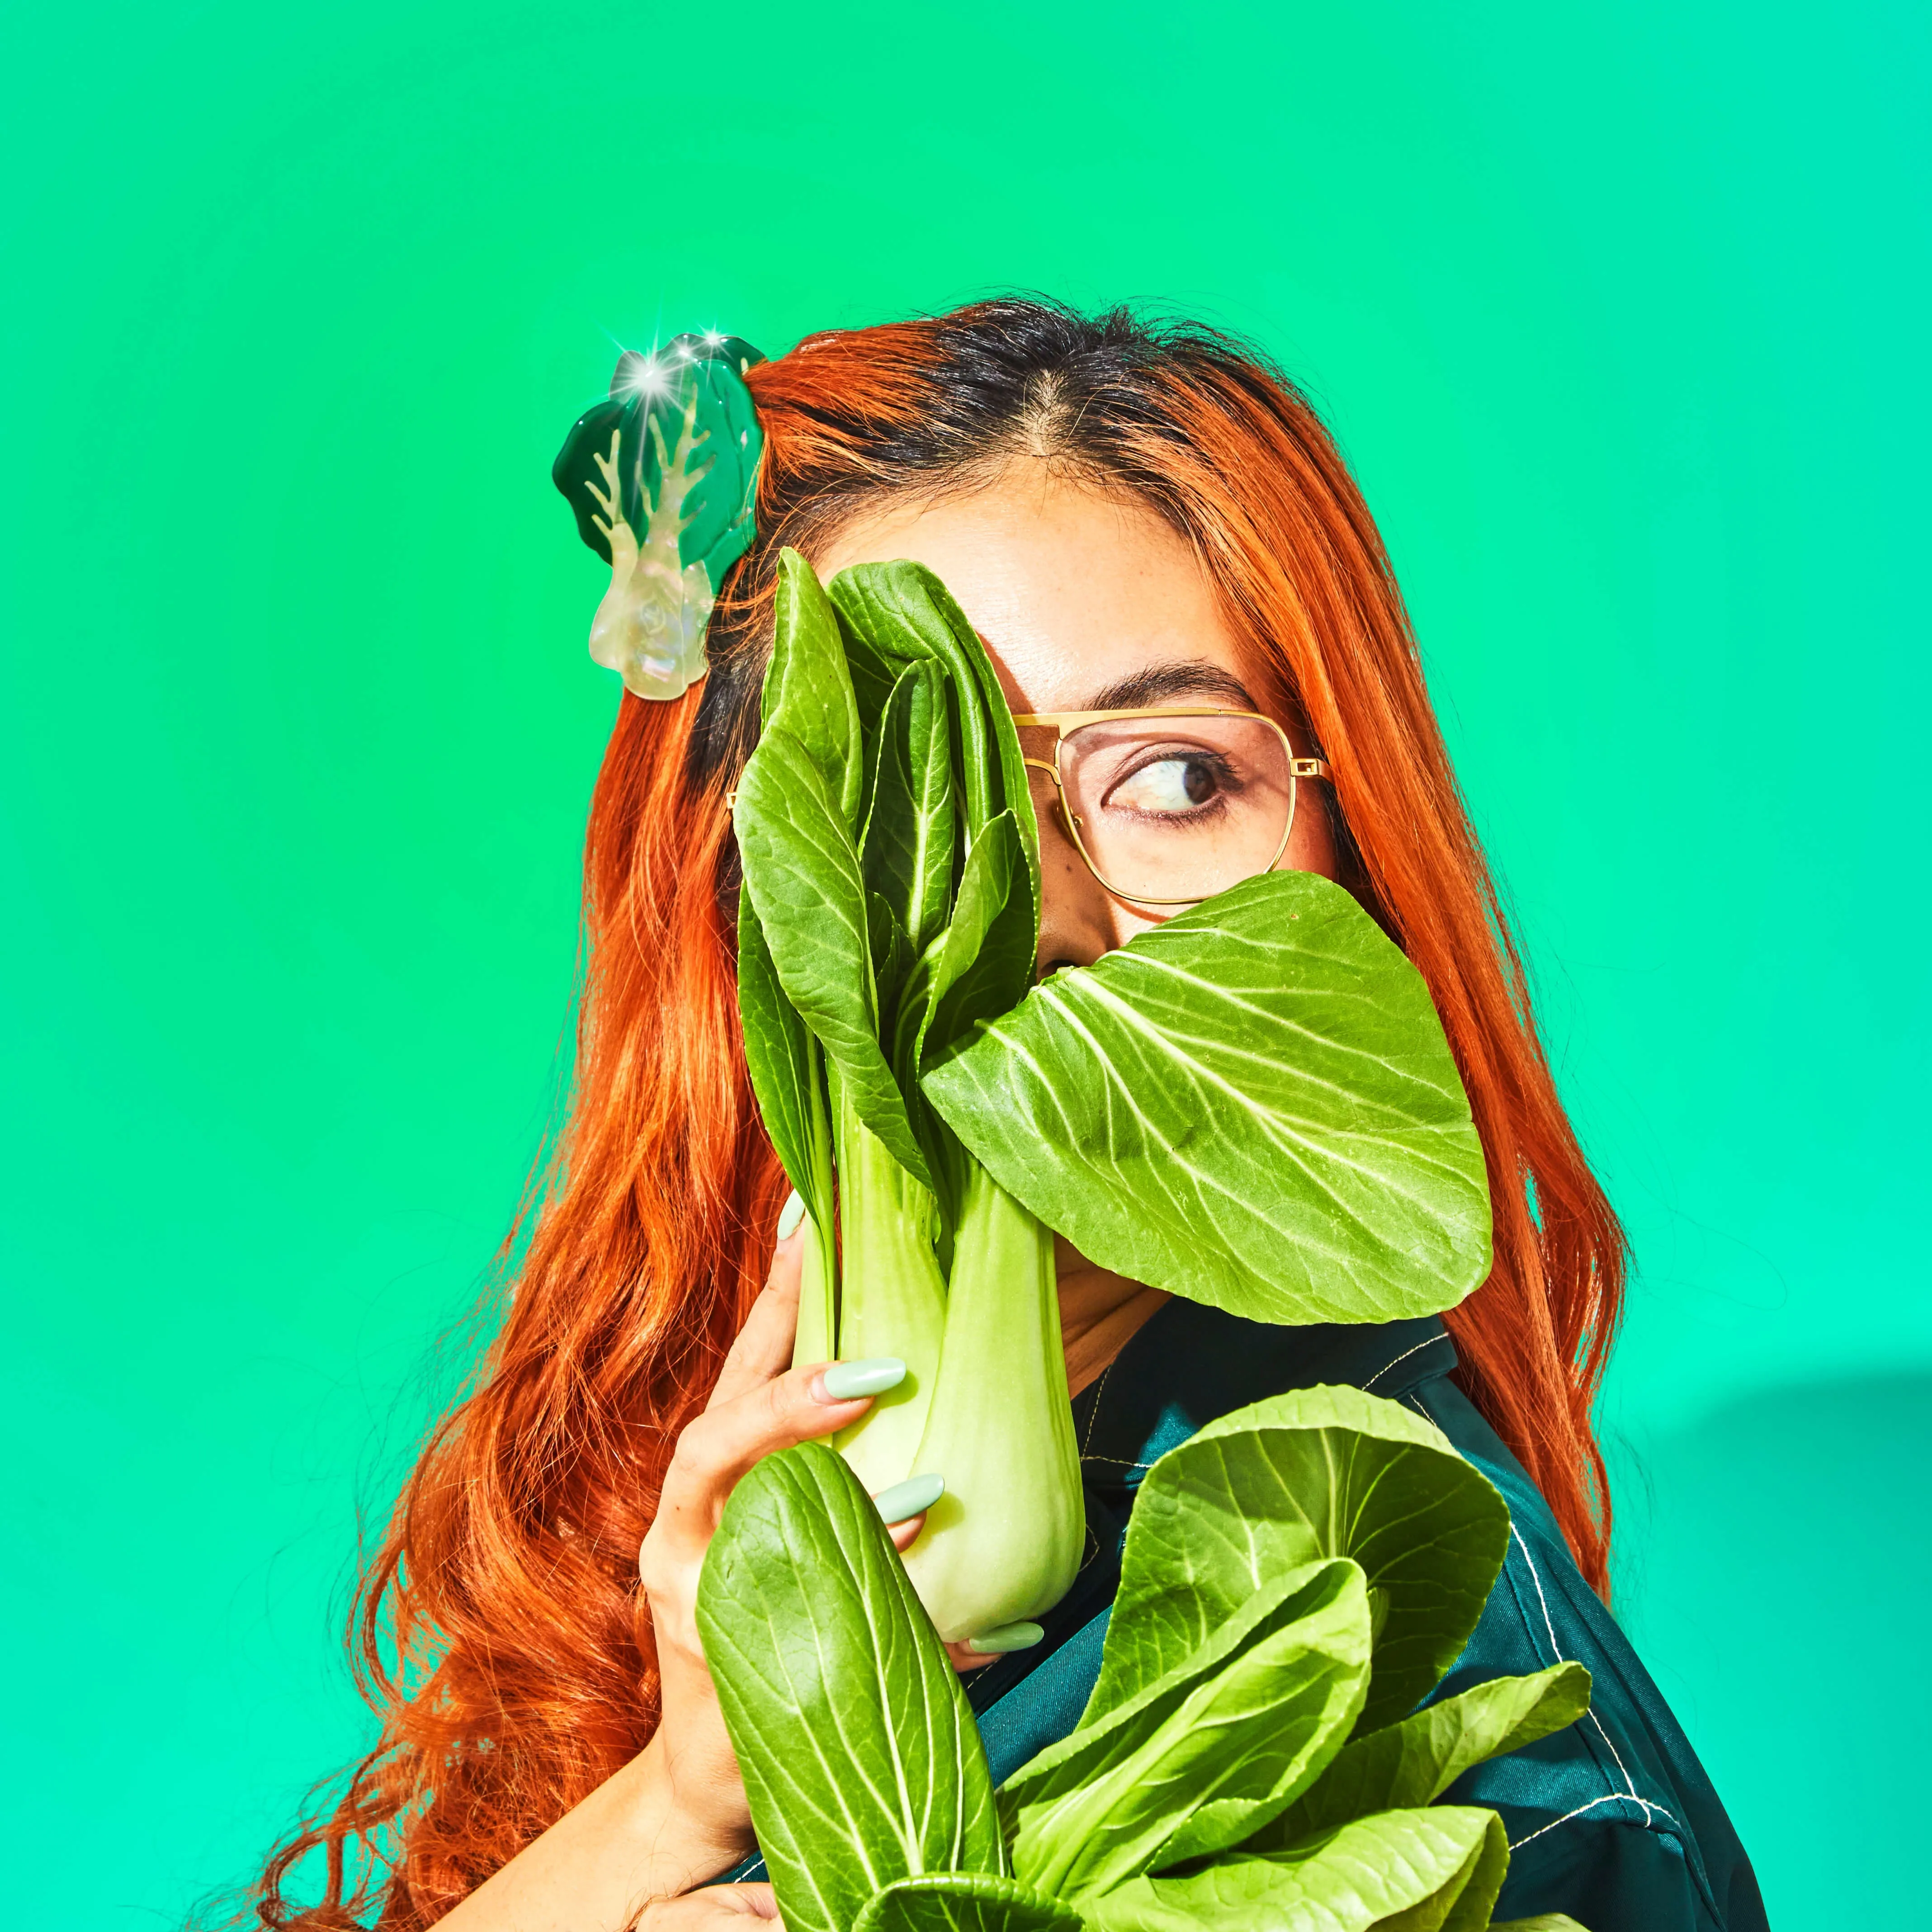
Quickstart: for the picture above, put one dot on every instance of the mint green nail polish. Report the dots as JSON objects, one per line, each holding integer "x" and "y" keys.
{"x": 911, "y": 1497}
{"x": 794, "y": 1213}
{"x": 872, "y": 1375}
{"x": 1007, "y": 1636}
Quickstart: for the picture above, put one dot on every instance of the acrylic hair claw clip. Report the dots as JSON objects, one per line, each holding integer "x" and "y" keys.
{"x": 662, "y": 475}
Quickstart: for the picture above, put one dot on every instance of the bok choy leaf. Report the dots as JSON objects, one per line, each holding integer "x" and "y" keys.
{"x": 859, "y": 1755}
{"x": 1414, "y": 1761}
{"x": 1440, "y": 1868}
{"x": 1253, "y": 1105}
{"x": 1316, "y": 1473}
{"x": 1209, "y": 1749}
{"x": 965, "y": 1902}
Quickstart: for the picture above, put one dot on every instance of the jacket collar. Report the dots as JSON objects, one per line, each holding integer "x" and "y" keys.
{"x": 1189, "y": 1364}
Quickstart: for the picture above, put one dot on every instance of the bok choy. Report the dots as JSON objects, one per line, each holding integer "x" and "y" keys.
{"x": 1295, "y": 1577}
{"x": 1252, "y": 1105}
{"x": 891, "y": 901}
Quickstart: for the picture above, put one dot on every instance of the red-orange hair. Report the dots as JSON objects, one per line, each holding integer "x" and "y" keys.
{"x": 499, "y": 1630}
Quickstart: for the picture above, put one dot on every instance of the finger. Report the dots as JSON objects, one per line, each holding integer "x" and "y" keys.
{"x": 1001, "y": 1641}
{"x": 798, "y": 1406}
{"x": 764, "y": 1346}
{"x": 754, "y": 1901}
{"x": 902, "y": 1507}
{"x": 710, "y": 1908}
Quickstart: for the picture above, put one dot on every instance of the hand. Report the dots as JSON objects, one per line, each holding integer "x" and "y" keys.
{"x": 759, "y": 1406}
{"x": 716, "y": 1908}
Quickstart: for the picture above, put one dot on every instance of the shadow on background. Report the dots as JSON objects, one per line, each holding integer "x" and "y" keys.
{"x": 1774, "y": 1568}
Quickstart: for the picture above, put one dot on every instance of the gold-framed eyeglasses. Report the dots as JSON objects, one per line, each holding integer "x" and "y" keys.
{"x": 1171, "y": 804}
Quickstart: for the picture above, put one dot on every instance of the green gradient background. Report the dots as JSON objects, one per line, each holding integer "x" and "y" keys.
{"x": 1621, "y": 320}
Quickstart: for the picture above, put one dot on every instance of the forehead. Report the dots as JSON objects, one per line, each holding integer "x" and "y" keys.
{"x": 1075, "y": 591}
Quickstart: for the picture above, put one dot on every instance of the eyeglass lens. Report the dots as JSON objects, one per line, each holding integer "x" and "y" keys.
{"x": 1176, "y": 809}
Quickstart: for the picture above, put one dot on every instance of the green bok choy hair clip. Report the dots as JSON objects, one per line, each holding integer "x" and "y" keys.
{"x": 662, "y": 475}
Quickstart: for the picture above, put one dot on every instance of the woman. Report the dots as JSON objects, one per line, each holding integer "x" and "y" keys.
{"x": 1131, "y": 517}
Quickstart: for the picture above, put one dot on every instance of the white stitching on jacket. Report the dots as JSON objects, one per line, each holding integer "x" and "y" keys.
{"x": 1555, "y": 1651}
{"x": 1609, "y": 1798}
{"x": 1400, "y": 1359}
{"x": 1093, "y": 1417}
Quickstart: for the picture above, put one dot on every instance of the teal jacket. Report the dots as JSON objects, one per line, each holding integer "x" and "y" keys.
{"x": 1612, "y": 1820}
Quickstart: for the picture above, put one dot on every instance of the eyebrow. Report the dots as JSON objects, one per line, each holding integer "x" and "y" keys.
{"x": 1161, "y": 684}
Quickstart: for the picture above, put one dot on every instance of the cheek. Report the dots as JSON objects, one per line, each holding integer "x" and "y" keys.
{"x": 1079, "y": 920}
{"x": 1311, "y": 845}
{"x": 1129, "y": 922}
{"x": 1066, "y": 885}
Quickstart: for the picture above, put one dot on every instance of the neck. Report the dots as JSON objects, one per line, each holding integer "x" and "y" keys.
{"x": 1099, "y": 1310}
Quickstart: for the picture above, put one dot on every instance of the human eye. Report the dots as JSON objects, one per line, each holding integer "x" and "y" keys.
{"x": 1174, "y": 782}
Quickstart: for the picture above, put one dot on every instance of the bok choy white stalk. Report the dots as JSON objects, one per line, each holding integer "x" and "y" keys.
{"x": 891, "y": 903}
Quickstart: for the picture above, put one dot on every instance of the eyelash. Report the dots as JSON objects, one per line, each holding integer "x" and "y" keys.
{"x": 1225, "y": 781}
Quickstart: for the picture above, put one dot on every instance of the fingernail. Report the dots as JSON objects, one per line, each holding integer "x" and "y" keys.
{"x": 873, "y": 1375}
{"x": 1008, "y": 1637}
{"x": 913, "y": 1497}
{"x": 794, "y": 1213}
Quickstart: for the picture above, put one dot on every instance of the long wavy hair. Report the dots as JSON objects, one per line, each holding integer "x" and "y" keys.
{"x": 499, "y": 1633}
